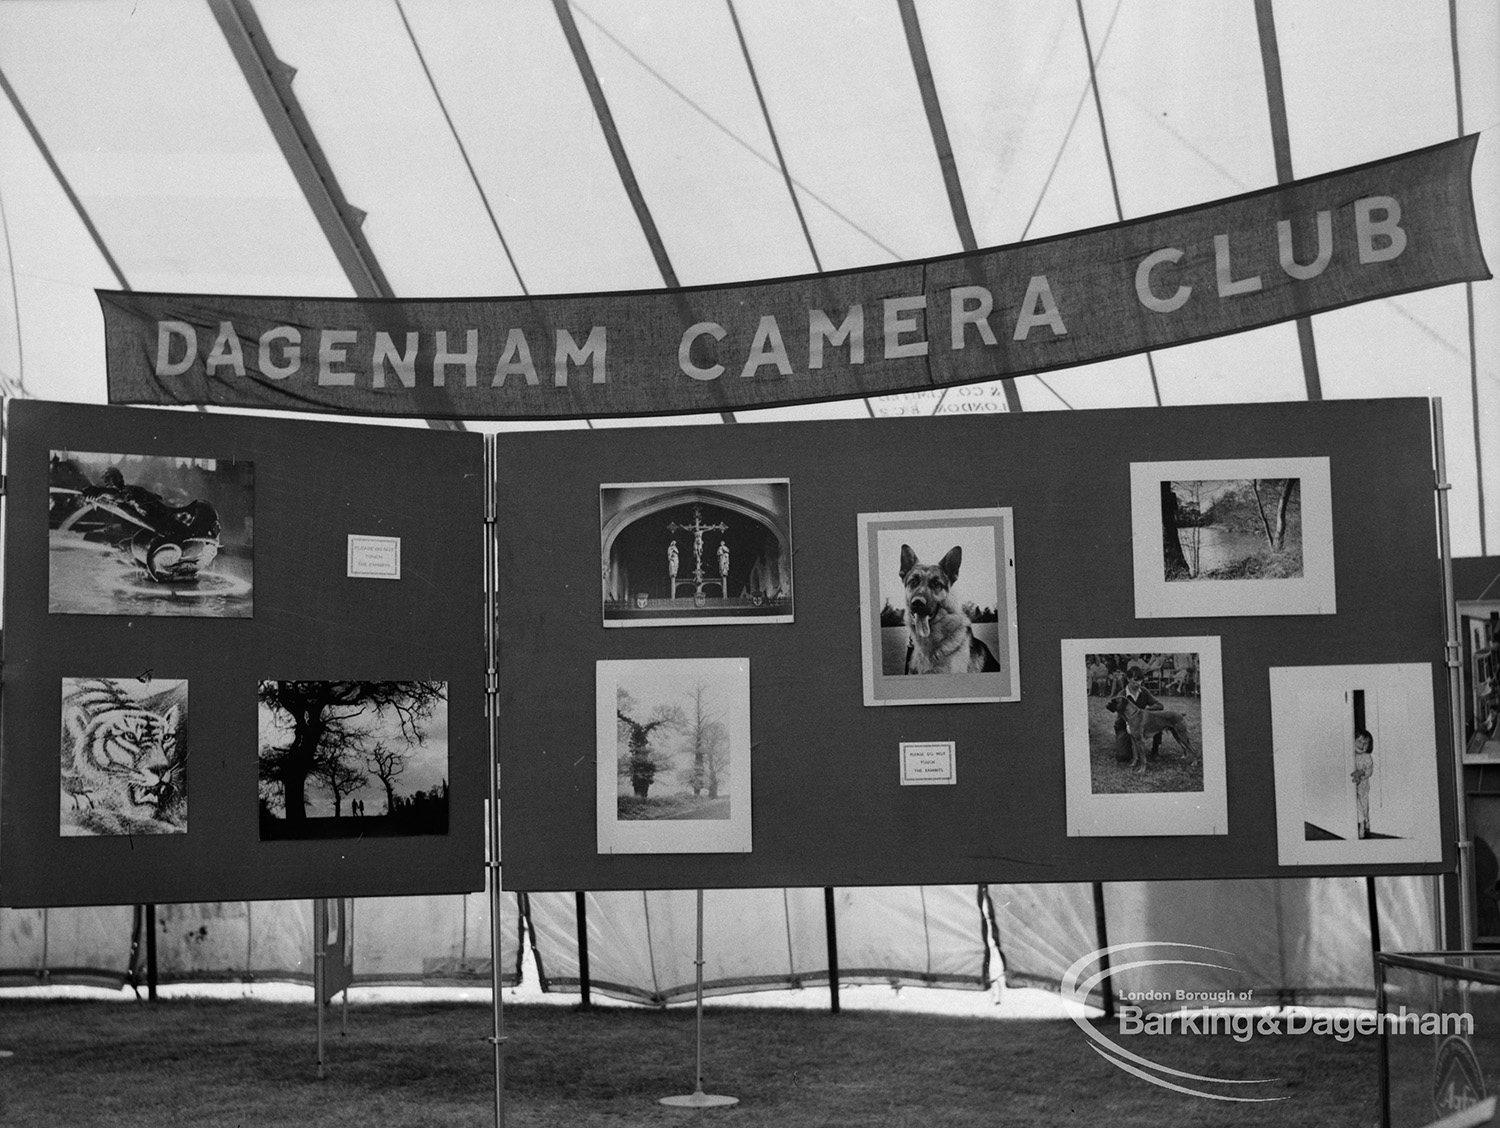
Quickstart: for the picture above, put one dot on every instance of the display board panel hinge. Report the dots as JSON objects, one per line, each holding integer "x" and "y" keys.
{"x": 1454, "y": 655}
{"x": 491, "y": 682}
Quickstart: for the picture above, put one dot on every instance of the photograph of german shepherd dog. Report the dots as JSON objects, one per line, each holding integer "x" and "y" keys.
{"x": 938, "y": 593}
{"x": 940, "y": 636}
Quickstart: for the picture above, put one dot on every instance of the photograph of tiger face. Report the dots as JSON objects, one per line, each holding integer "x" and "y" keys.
{"x": 123, "y": 768}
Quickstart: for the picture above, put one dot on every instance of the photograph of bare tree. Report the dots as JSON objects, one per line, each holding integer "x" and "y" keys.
{"x": 1232, "y": 537}
{"x": 345, "y": 759}
{"x": 674, "y": 750}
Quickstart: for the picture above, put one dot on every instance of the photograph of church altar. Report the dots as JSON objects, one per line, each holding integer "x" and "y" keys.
{"x": 673, "y": 756}
{"x": 124, "y": 757}
{"x": 1249, "y": 536}
{"x": 352, "y": 759}
{"x": 938, "y": 607}
{"x": 145, "y": 534}
{"x": 696, "y": 553}
{"x": 1354, "y": 751}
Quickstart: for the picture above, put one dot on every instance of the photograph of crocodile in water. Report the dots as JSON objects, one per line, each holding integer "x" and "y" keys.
{"x": 133, "y": 534}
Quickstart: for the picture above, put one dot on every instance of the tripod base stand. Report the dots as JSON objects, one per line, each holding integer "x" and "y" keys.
{"x": 698, "y": 1098}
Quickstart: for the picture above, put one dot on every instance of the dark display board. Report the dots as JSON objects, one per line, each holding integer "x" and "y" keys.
{"x": 164, "y": 571}
{"x": 828, "y": 805}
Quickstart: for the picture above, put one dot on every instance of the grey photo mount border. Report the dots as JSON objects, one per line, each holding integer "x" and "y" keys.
{"x": 828, "y": 808}
{"x": 315, "y": 484}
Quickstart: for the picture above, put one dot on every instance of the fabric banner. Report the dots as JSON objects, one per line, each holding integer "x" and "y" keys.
{"x": 1385, "y": 228}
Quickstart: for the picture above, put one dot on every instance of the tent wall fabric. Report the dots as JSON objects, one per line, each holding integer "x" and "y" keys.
{"x": 1042, "y": 929}
{"x": 1291, "y": 941}
{"x": 641, "y": 946}
{"x": 65, "y": 946}
{"x": 428, "y": 941}
{"x": 1297, "y": 941}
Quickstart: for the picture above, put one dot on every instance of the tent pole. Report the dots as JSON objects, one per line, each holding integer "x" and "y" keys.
{"x": 150, "y": 927}
{"x": 1101, "y": 930}
{"x": 1453, "y": 652}
{"x": 830, "y": 919}
{"x": 581, "y": 914}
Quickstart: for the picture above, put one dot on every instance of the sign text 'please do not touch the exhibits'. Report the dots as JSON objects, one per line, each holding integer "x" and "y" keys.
{"x": 1385, "y": 228}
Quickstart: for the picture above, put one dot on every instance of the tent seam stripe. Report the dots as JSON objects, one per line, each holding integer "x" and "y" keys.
{"x": 614, "y": 141}
{"x": 786, "y": 175}
{"x": 462, "y": 148}
{"x": 1109, "y": 158}
{"x": 1281, "y": 147}
{"x": 46, "y": 154}
{"x": 916, "y": 47}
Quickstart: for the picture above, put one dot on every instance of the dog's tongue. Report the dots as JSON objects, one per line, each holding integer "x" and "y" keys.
{"x": 922, "y": 625}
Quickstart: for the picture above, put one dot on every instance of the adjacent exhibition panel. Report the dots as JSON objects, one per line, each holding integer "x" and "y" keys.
{"x": 1187, "y": 590}
{"x": 243, "y": 659}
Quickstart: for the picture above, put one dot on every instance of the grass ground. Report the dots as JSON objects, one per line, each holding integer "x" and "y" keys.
{"x": 246, "y": 1062}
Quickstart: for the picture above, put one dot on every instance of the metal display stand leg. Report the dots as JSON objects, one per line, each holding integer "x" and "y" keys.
{"x": 698, "y": 1098}
{"x": 492, "y": 862}
{"x": 320, "y": 957}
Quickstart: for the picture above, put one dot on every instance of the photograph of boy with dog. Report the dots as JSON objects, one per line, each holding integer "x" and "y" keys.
{"x": 1143, "y": 736}
{"x": 1232, "y": 537}
{"x": 1355, "y": 755}
{"x": 1159, "y": 698}
{"x": 674, "y": 755}
{"x": 938, "y": 594}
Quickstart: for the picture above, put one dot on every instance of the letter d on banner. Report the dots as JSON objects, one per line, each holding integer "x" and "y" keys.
{"x": 165, "y": 332}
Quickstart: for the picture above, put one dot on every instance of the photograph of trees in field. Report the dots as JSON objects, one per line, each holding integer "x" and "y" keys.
{"x": 673, "y": 748}
{"x": 344, "y": 759}
{"x": 1248, "y": 528}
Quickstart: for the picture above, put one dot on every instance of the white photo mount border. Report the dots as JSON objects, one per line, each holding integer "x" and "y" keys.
{"x": 1144, "y": 814}
{"x": 1156, "y": 597}
{"x": 730, "y": 677}
{"x": 880, "y": 538}
{"x": 1312, "y": 721}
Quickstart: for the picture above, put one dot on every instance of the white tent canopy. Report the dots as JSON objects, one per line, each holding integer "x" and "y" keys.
{"x": 423, "y": 148}
{"x": 438, "y": 148}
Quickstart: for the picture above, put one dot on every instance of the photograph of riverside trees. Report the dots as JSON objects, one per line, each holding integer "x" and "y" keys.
{"x": 1231, "y": 530}
{"x": 345, "y": 759}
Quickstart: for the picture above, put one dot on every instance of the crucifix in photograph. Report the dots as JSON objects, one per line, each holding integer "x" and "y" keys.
{"x": 700, "y": 580}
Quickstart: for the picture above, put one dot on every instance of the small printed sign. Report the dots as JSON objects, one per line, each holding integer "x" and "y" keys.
{"x": 927, "y": 762}
{"x": 374, "y": 558}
